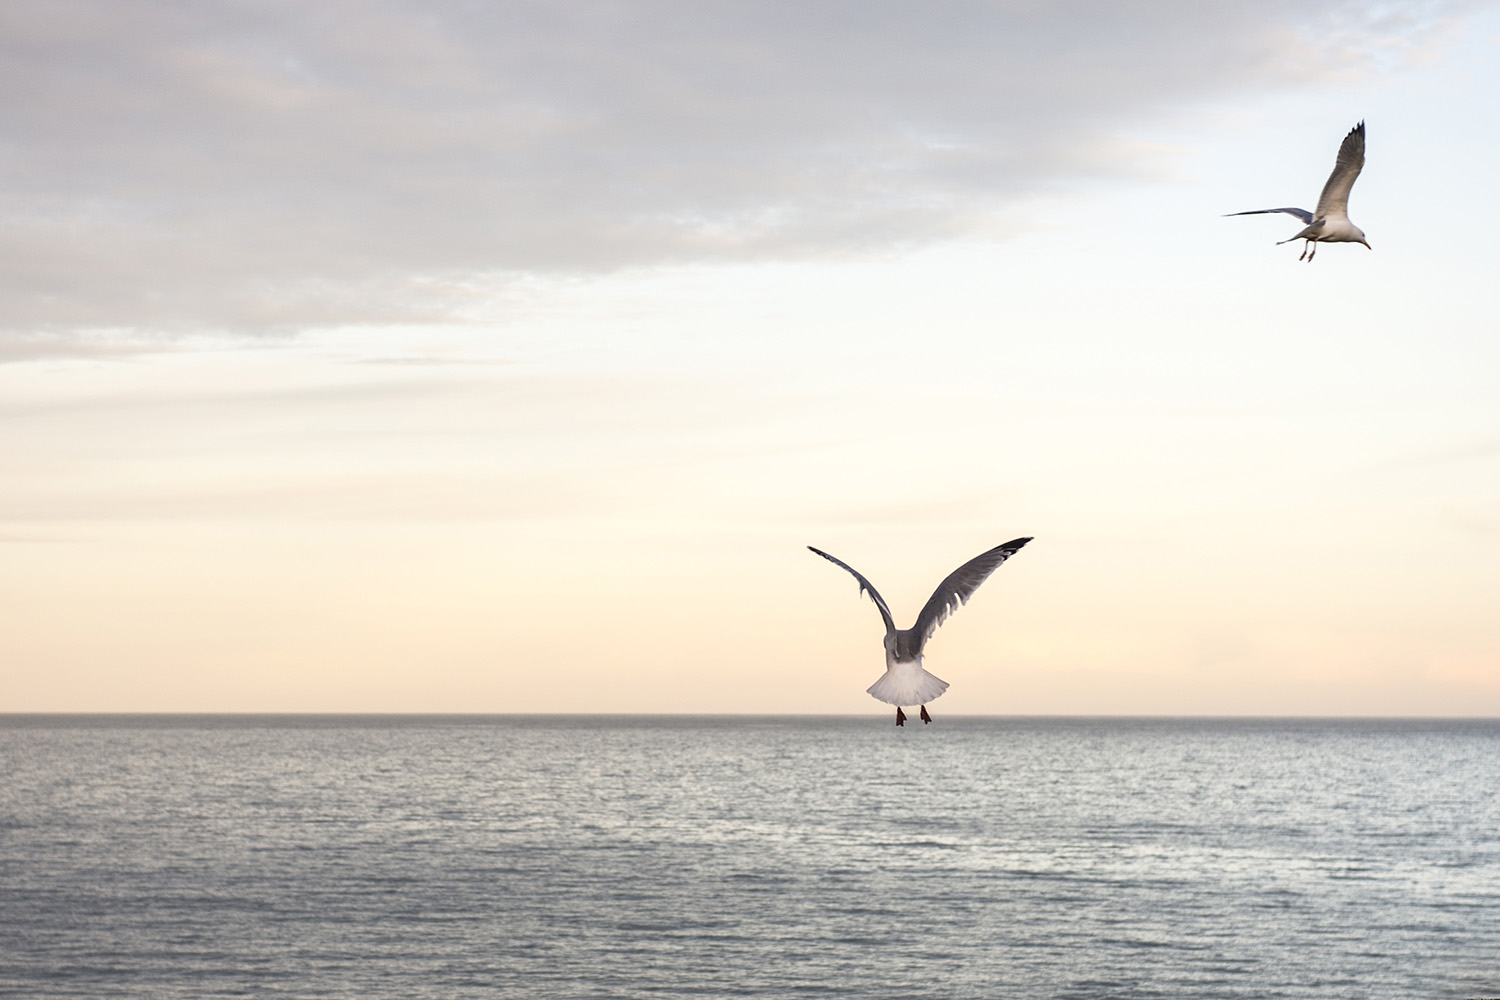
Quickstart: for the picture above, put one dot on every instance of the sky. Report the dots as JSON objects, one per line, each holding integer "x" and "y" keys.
{"x": 505, "y": 357}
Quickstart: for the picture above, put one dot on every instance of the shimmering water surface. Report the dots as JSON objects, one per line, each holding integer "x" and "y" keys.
{"x": 663, "y": 857}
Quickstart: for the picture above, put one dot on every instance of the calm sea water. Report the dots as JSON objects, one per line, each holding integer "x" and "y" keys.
{"x": 672, "y": 857}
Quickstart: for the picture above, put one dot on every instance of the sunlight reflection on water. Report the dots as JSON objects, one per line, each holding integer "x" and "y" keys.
{"x": 589, "y": 857}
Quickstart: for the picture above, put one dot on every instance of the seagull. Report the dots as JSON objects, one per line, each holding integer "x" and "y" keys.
{"x": 905, "y": 682}
{"x": 1330, "y": 223}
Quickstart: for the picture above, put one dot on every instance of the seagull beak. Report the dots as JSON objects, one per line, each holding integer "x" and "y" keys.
{"x": 1367, "y": 246}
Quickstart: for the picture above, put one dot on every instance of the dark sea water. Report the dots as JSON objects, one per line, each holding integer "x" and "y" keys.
{"x": 673, "y": 857}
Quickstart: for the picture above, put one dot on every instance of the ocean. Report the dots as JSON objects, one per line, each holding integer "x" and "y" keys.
{"x": 552, "y": 856}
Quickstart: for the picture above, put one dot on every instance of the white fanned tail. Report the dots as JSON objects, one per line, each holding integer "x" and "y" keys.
{"x": 906, "y": 683}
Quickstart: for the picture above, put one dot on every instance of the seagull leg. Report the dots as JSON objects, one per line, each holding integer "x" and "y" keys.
{"x": 1304, "y": 250}
{"x": 1313, "y": 246}
{"x": 925, "y": 717}
{"x": 900, "y": 716}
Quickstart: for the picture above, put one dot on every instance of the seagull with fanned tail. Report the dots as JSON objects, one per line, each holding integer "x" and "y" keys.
{"x": 905, "y": 682}
{"x": 1330, "y": 223}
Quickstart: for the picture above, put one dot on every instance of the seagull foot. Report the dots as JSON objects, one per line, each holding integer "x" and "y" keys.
{"x": 900, "y": 716}
{"x": 925, "y": 717}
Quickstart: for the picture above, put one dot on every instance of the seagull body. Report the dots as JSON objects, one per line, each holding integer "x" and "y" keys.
{"x": 1330, "y": 223}
{"x": 904, "y": 681}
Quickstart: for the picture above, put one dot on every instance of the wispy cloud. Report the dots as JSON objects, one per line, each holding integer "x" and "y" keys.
{"x": 27, "y": 346}
{"x": 253, "y": 165}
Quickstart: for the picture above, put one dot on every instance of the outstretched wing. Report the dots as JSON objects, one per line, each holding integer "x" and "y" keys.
{"x": 865, "y": 587}
{"x": 1335, "y": 197}
{"x": 1300, "y": 213}
{"x": 959, "y": 587}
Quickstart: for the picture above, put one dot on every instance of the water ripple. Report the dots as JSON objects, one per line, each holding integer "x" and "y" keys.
{"x": 679, "y": 857}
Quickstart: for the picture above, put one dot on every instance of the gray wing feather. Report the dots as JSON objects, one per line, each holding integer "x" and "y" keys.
{"x": 865, "y": 587}
{"x": 1300, "y": 213}
{"x": 960, "y": 586}
{"x": 1335, "y": 197}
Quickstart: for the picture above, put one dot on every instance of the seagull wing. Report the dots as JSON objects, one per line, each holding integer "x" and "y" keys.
{"x": 1335, "y": 197}
{"x": 1300, "y": 213}
{"x": 959, "y": 587}
{"x": 865, "y": 587}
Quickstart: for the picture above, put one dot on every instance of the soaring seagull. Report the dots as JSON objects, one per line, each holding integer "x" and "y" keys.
{"x": 905, "y": 682}
{"x": 1330, "y": 223}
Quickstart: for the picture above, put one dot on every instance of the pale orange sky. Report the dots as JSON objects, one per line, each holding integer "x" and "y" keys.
{"x": 1256, "y": 487}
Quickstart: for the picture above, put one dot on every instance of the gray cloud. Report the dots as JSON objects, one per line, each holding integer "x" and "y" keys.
{"x": 249, "y": 164}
